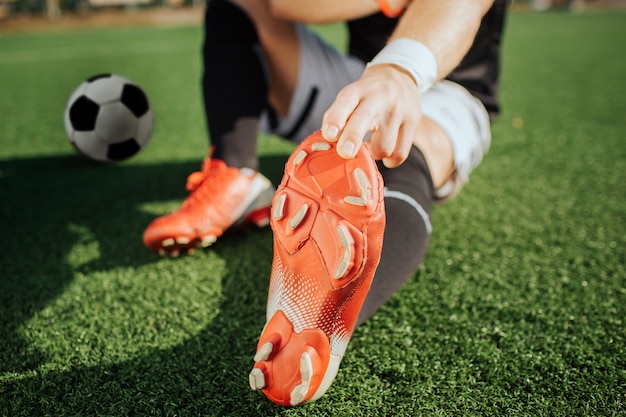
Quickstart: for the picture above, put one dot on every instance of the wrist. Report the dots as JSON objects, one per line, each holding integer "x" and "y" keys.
{"x": 412, "y": 57}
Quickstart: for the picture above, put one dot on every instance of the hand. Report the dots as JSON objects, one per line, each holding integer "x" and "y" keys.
{"x": 384, "y": 101}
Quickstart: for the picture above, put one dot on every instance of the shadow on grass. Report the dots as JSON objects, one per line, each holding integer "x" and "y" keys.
{"x": 48, "y": 204}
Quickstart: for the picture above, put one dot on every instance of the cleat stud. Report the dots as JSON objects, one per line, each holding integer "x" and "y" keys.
{"x": 207, "y": 241}
{"x": 347, "y": 243}
{"x": 264, "y": 352}
{"x": 297, "y": 395}
{"x": 299, "y": 158}
{"x": 190, "y": 251}
{"x": 363, "y": 186}
{"x": 298, "y": 217}
{"x": 278, "y": 212}
{"x": 168, "y": 242}
{"x": 256, "y": 379}
{"x": 162, "y": 252}
{"x": 306, "y": 371}
{"x": 183, "y": 241}
{"x": 175, "y": 253}
{"x": 320, "y": 146}
{"x": 306, "y": 367}
{"x": 263, "y": 222}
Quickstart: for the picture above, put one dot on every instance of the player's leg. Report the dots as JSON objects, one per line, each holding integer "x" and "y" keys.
{"x": 450, "y": 142}
{"x": 243, "y": 71}
{"x": 328, "y": 220}
{"x": 311, "y": 316}
{"x": 250, "y": 60}
{"x": 326, "y": 246}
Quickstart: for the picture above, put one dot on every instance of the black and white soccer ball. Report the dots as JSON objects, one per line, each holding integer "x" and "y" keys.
{"x": 108, "y": 118}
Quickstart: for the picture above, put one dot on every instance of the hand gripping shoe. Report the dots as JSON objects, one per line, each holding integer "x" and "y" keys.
{"x": 328, "y": 221}
{"x": 220, "y": 197}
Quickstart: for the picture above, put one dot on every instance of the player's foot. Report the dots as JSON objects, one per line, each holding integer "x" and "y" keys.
{"x": 220, "y": 197}
{"x": 328, "y": 220}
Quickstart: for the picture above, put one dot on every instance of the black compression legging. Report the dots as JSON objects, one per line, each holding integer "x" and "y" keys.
{"x": 408, "y": 198}
{"x": 234, "y": 84}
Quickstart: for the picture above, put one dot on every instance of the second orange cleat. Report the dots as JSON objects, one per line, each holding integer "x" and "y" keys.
{"x": 328, "y": 220}
{"x": 220, "y": 197}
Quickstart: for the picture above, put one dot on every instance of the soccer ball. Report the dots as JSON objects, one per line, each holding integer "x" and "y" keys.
{"x": 108, "y": 118}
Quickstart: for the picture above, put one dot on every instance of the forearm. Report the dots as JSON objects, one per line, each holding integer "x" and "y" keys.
{"x": 446, "y": 27}
{"x": 322, "y": 11}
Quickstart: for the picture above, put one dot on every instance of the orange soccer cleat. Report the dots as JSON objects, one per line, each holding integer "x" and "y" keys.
{"x": 221, "y": 197}
{"x": 328, "y": 220}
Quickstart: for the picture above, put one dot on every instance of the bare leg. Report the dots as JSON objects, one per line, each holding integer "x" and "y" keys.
{"x": 437, "y": 148}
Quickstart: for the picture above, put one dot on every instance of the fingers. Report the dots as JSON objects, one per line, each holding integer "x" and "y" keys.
{"x": 360, "y": 123}
{"x": 338, "y": 114}
{"x": 346, "y": 122}
{"x": 382, "y": 143}
{"x": 402, "y": 149}
{"x": 382, "y": 103}
{"x": 392, "y": 144}
{"x": 350, "y": 119}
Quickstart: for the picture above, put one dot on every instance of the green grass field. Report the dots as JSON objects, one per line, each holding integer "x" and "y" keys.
{"x": 519, "y": 309}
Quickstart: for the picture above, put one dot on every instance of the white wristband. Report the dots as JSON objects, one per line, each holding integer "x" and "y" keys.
{"x": 412, "y": 56}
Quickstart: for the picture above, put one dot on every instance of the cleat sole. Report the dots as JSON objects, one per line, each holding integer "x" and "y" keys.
{"x": 328, "y": 220}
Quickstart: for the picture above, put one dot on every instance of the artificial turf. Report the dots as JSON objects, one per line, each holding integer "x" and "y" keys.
{"x": 519, "y": 309}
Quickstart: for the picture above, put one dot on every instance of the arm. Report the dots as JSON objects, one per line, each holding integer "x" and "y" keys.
{"x": 386, "y": 100}
{"x": 446, "y": 27}
{"x": 328, "y": 11}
